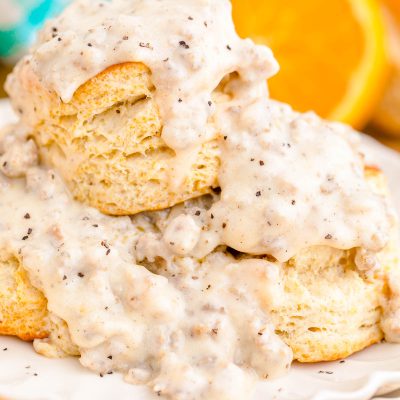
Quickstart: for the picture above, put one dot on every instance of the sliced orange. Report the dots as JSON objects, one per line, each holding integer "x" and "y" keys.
{"x": 393, "y": 7}
{"x": 387, "y": 114}
{"x": 332, "y": 53}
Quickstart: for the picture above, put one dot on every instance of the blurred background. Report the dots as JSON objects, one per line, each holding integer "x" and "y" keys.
{"x": 340, "y": 58}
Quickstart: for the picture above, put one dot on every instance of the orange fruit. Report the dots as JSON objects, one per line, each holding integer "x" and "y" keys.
{"x": 332, "y": 53}
{"x": 393, "y": 7}
{"x": 387, "y": 115}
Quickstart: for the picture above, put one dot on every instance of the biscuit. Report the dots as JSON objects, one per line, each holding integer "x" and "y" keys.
{"x": 106, "y": 143}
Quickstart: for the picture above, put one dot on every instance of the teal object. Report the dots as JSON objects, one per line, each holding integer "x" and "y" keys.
{"x": 14, "y": 39}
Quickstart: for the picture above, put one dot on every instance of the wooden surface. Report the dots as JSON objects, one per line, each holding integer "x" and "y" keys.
{"x": 391, "y": 142}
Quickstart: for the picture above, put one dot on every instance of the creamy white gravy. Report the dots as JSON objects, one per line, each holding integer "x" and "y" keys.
{"x": 189, "y": 47}
{"x": 195, "y": 330}
{"x": 288, "y": 181}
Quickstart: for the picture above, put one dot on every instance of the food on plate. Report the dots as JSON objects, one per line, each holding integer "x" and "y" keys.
{"x": 208, "y": 276}
{"x": 324, "y": 307}
{"x": 106, "y": 142}
{"x": 339, "y": 70}
{"x": 23, "y": 308}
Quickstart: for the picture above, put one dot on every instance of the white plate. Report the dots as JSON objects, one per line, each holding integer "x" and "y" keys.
{"x": 24, "y": 375}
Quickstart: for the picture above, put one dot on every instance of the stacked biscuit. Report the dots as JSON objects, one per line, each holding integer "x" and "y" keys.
{"x": 106, "y": 144}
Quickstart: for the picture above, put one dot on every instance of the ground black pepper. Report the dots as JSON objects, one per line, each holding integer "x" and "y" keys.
{"x": 145, "y": 45}
{"x": 183, "y": 44}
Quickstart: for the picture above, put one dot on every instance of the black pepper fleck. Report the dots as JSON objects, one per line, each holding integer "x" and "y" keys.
{"x": 261, "y": 162}
{"x": 81, "y": 275}
{"x": 210, "y": 103}
{"x": 197, "y": 213}
{"x": 229, "y": 47}
{"x": 224, "y": 225}
{"x": 64, "y": 277}
{"x": 293, "y": 202}
{"x": 258, "y": 194}
{"x": 125, "y": 37}
{"x": 90, "y": 45}
{"x": 109, "y": 357}
{"x": 328, "y": 236}
{"x": 183, "y": 44}
{"x": 25, "y": 237}
{"x": 180, "y": 100}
